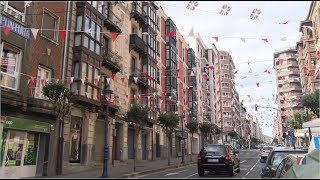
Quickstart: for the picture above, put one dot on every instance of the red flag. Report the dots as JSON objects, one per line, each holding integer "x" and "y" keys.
{"x": 122, "y": 79}
{"x": 60, "y": 79}
{"x": 178, "y": 77}
{"x": 216, "y": 38}
{"x": 269, "y": 72}
{"x": 114, "y": 36}
{"x": 211, "y": 67}
{"x": 297, "y": 95}
{"x": 171, "y": 34}
{"x": 310, "y": 73}
{"x": 257, "y": 84}
{"x": 150, "y": 78}
{"x": 6, "y": 30}
{"x": 184, "y": 91}
{"x": 200, "y": 97}
{"x": 204, "y": 75}
{"x": 284, "y": 98}
{"x": 112, "y": 76}
{"x": 236, "y": 72}
{"x": 62, "y": 34}
{"x": 280, "y": 61}
{"x": 33, "y": 79}
{"x": 145, "y": 74}
{"x": 86, "y": 79}
{"x": 283, "y": 78}
{"x": 272, "y": 95}
{"x": 177, "y": 70}
{"x": 266, "y": 40}
{"x": 306, "y": 68}
{"x": 284, "y": 22}
{"x": 224, "y": 101}
{"x": 265, "y": 70}
{"x": 42, "y": 81}
{"x": 127, "y": 96}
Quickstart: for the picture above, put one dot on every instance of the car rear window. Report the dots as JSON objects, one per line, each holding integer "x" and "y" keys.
{"x": 215, "y": 149}
{"x": 267, "y": 148}
{"x": 279, "y": 156}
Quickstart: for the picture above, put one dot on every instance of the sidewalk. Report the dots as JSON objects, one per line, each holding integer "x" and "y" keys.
{"x": 142, "y": 167}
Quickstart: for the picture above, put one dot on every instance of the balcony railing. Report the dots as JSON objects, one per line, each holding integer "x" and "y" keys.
{"x": 111, "y": 60}
{"x": 137, "y": 44}
{"x": 138, "y": 13}
{"x": 112, "y": 22}
{"x": 141, "y": 80}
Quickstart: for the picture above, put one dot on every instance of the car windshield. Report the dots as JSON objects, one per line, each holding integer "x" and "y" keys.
{"x": 279, "y": 156}
{"x": 215, "y": 149}
{"x": 267, "y": 148}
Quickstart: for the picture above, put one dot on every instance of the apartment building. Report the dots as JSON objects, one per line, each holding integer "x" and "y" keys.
{"x": 288, "y": 81}
{"x": 28, "y": 61}
{"x": 308, "y": 49}
{"x": 226, "y": 93}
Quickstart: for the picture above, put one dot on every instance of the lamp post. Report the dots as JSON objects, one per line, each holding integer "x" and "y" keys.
{"x": 182, "y": 118}
{"x": 108, "y": 93}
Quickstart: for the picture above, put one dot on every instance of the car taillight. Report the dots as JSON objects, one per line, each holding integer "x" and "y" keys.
{"x": 227, "y": 159}
{"x": 199, "y": 158}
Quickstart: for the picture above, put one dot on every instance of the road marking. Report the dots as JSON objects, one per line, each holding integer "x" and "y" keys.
{"x": 189, "y": 176}
{"x": 170, "y": 174}
{"x": 251, "y": 169}
{"x": 243, "y": 161}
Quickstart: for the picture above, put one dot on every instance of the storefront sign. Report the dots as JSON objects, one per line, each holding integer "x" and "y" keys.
{"x": 26, "y": 124}
{"x": 15, "y": 27}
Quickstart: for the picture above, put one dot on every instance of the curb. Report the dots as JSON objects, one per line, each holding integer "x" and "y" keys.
{"x": 136, "y": 174}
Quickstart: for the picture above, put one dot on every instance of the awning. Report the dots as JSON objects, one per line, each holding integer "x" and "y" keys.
{"x": 312, "y": 123}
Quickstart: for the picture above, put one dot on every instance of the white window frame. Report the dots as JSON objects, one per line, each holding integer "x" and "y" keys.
{"x": 7, "y": 6}
{"x": 38, "y": 90}
{"x": 56, "y": 32}
{"x": 17, "y": 71}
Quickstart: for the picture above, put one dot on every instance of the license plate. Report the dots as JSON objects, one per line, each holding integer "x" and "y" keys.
{"x": 213, "y": 160}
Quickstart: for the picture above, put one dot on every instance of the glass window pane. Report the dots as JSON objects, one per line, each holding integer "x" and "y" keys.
{"x": 87, "y": 24}
{"x": 14, "y": 148}
{"x": 83, "y": 89}
{"x": 92, "y": 45}
{"x": 84, "y": 70}
{"x": 89, "y": 92}
{"x": 79, "y": 23}
{"x": 76, "y": 70}
{"x": 98, "y": 47}
{"x": 95, "y": 93}
{"x": 90, "y": 74}
{"x": 93, "y": 29}
{"x": 98, "y": 33}
{"x": 96, "y": 74}
{"x": 31, "y": 150}
{"x": 77, "y": 40}
{"x": 86, "y": 42}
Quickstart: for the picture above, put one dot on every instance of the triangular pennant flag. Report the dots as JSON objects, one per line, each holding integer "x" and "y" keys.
{"x": 265, "y": 70}
{"x": 170, "y": 97}
{"x": 211, "y": 67}
{"x": 250, "y": 71}
{"x": 127, "y": 96}
{"x": 297, "y": 95}
{"x": 62, "y": 34}
{"x": 284, "y": 39}
{"x": 216, "y": 38}
{"x": 306, "y": 68}
{"x": 114, "y": 36}
{"x": 34, "y": 32}
{"x": 6, "y": 30}
{"x": 42, "y": 81}
{"x": 235, "y": 71}
{"x": 33, "y": 79}
{"x": 70, "y": 81}
{"x": 149, "y": 78}
{"x": 310, "y": 73}
{"x": 171, "y": 34}
{"x": 243, "y": 40}
{"x": 108, "y": 80}
{"x": 177, "y": 70}
{"x": 284, "y": 22}
{"x": 280, "y": 61}
{"x": 135, "y": 79}
{"x": 128, "y": 75}
{"x": 82, "y": 80}
{"x": 264, "y": 39}
{"x": 145, "y": 74}
{"x": 191, "y": 74}
{"x": 112, "y": 76}
{"x": 309, "y": 27}
{"x": 269, "y": 72}
{"x": 122, "y": 79}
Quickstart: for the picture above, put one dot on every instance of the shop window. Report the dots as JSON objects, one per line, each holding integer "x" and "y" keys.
{"x": 10, "y": 63}
{"x": 4, "y": 5}
{"x": 50, "y": 25}
{"x": 31, "y": 148}
{"x": 43, "y": 74}
{"x": 75, "y": 139}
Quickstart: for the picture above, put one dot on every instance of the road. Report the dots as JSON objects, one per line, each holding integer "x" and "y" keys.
{"x": 250, "y": 167}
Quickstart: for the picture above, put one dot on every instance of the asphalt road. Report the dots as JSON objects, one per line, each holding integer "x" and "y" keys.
{"x": 250, "y": 167}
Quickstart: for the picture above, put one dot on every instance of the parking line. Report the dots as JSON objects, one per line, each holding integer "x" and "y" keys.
{"x": 243, "y": 161}
{"x": 189, "y": 176}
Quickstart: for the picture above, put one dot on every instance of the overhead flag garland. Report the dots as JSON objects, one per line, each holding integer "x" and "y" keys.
{"x": 255, "y": 14}
{"x": 225, "y": 10}
{"x": 192, "y": 5}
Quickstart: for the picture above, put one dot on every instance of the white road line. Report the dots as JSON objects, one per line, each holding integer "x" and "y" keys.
{"x": 251, "y": 169}
{"x": 189, "y": 176}
{"x": 243, "y": 161}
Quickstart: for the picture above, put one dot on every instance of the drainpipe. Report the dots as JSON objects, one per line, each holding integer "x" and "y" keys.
{"x": 66, "y": 42}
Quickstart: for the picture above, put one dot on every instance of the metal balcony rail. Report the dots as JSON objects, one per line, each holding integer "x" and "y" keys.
{"x": 113, "y": 18}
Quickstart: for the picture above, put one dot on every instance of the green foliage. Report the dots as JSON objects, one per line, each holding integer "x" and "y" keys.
{"x": 206, "y": 128}
{"x": 298, "y": 118}
{"x": 311, "y": 101}
{"x": 138, "y": 115}
{"x": 216, "y": 129}
{"x": 60, "y": 96}
{"x": 254, "y": 140}
{"x": 168, "y": 121}
{"x": 233, "y": 134}
{"x": 193, "y": 126}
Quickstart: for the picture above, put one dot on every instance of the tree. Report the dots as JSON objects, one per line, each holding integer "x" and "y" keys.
{"x": 206, "y": 128}
{"x": 311, "y": 101}
{"x": 298, "y": 118}
{"x": 168, "y": 121}
{"x": 138, "y": 115}
{"x": 193, "y": 127}
{"x": 233, "y": 134}
{"x": 61, "y": 98}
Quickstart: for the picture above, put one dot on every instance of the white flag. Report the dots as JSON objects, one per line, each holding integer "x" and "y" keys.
{"x": 148, "y": 98}
{"x": 309, "y": 27}
{"x": 48, "y": 80}
{"x": 57, "y": 80}
{"x": 243, "y": 40}
{"x": 82, "y": 80}
{"x": 28, "y": 81}
{"x": 191, "y": 74}
{"x": 71, "y": 79}
{"x": 170, "y": 97}
{"x": 135, "y": 79}
{"x": 154, "y": 94}
{"x": 284, "y": 39}
{"x": 98, "y": 78}
{"x": 134, "y": 96}
{"x": 250, "y": 71}
{"x": 128, "y": 75}
{"x": 160, "y": 101}
{"x": 108, "y": 80}
{"x": 34, "y": 32}
{"x": 178, "y": 103}
{"x": 27, "y": 3}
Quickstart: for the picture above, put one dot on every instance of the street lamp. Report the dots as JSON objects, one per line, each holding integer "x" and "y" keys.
{"x": 182, "y": 118}
{"x": 107, "y": 93}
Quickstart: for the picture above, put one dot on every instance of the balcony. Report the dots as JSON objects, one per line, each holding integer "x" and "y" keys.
{"x": 111, "y": 60}
{"x": 138, "y": 14}
{"x": 294, "y": 72}
{"x": 112, "y": 22}
{"x": 137, "y": 44}
{"x": 141, "y": 81}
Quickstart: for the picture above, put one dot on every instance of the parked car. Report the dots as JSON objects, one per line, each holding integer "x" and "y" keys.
{"x": 218, "y": 158}
{"x": 265, "y": 150}
{"x": 276, "y": 155}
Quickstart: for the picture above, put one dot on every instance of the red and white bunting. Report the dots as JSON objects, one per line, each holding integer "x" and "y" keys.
{"x": 135, "y": 79}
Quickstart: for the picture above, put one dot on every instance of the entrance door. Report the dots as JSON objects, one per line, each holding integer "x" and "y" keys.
{"x": 130, "y": 143}
{"x": 144, "y": 145}
{"x": 75, "y": 144}
{"x": 157, "y": 144}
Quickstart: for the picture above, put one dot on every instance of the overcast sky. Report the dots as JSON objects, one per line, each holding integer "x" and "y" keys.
{"x": 207, "y": 22}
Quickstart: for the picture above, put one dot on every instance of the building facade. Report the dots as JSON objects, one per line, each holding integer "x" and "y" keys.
{"x": 31, "y": 55}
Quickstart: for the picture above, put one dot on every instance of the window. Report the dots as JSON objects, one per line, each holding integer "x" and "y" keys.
{"x": 4, "y": 5}
{"x": 50, "y": 22}
{"x": 88, "y": 89}
{"x": 158, "y": 75}
{"x": 133, "y": 65}
{"x": 42, "y": 76}
{"x": 75, "y": 138}
{"x": 10, "y": 66}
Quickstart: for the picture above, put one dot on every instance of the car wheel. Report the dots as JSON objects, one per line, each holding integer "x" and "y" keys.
{"x": 201, "y": 172}
{"x": 231, "y": 170}
{"x": 262, "y": 160}
{"x": 238, "y": 169}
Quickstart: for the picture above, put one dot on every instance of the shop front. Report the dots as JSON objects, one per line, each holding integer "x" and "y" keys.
{"x": 23, "y": 144}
